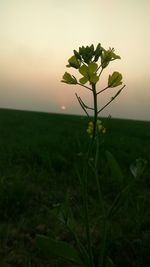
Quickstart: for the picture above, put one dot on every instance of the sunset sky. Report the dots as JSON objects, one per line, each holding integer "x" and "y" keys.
{"x": 38, "y": 36}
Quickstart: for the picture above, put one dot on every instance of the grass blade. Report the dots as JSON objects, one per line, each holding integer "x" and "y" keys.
{"x": 58, "y": 248}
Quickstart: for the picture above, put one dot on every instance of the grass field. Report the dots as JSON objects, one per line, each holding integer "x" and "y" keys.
{"x": 39, "y": 156}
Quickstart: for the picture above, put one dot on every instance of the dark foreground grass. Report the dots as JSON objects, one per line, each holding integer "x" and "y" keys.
{"x": 39, "y": 156}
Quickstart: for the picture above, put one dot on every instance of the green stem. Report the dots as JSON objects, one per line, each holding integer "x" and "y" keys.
{"x": 101, "y": 201}
{"x": 95, "y": 109}
{"x": 86, "y": 211}
{"x": 102, "y": 258}
{"x": 97, "y": 147}
{"x": 84, "y": 86}
{"x": 112, "y": 99}
{"x": 103, "y": 90}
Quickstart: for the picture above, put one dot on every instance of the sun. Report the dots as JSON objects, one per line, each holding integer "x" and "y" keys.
{"x": 63, "y": 107}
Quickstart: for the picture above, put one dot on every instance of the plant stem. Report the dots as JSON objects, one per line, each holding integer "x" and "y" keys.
{"x": 101, "y": 201}
{"x": 100, "y": 72}
{"x": 97, "y": 147}
{"x": 95, "y": 110}
{"x": 103, "y": 90}
{"x": 84, "y": 86}
{"x": 102, "y": 258}
{"x": 112, "y": 99}
{"x": 85, "y": 202}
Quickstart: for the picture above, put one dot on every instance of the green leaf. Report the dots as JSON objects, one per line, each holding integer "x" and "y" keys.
{"x": 94, "y": 78}
{"x": 115, "y": 79}
{"x": 138, "y": 169}
{"x": 115, "y": 169}
{"x": 83, "y": 80}
{"x": 114, "y": 56}
{"x": 98, "y": 48}
{"x": 109, "y": 263}
{"x": 107, "y": 56}
{"x": 98, "y": 52}
{"x": 89, "y": 73}
{"x": 86, "y": 53}
{"x": 119, "y": 201}
{"x": 68, "y": 78}
{"x": 74, "y": 62}
{"x": 92, "y": 49}
{"x": 58, "y": 248}
{"x": 77, "y": 55}
{"x": 92, "y": 67}
{"x": 84, "y": 70}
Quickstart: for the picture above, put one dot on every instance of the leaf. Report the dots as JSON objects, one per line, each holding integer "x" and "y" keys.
{"x": 64, "y": 211}
{"x": 77, "y": 55}
{"x": 98, "y": 48}
{"x": 68, "y": 78}
{"x": 89, "y": 73}
{"x": 116, "y": 171}
{"x": 94, "y": 78}
{"x": 98, "y": 52}
{"x": 114, "y": 79}
{"x": 65, "y": 214}
{"x": 83, "y": 80}
{"x": 74, "y": 62}
{"x": 58, "y": 248}
{"x": 84, "y": 70}
{"x": 109, "y": 263}
{"x": 107, "y": 56}
{"x": 92, "y": 67}
{"x": 114, "y": 56}
{"x": 138, "y": 169}
{"x": 120, "y": 199}
{"x": 92, "y": 49}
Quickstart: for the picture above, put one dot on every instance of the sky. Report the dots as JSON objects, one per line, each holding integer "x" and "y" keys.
{"x": 37, "y": 37}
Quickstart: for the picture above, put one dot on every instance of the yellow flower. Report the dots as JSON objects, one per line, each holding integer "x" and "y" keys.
{"x": 90, "y": 124}
{"x": 99, "y": 122}
{"x": 89, "y": 130}
{"x": 99, "y": 126}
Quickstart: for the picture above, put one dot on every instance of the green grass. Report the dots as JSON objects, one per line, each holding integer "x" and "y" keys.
{"x": 39, "y": 155}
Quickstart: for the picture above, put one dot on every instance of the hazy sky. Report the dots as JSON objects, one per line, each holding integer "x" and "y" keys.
{"x": 38, "y": 36}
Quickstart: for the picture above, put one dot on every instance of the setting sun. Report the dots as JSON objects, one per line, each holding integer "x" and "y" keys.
{"x": 63, "y": 107}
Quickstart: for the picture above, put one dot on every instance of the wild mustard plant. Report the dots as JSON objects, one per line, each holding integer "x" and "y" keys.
{"x": 90, "y": 62}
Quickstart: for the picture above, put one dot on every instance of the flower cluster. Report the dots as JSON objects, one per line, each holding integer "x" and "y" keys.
{"x": 85, "y": 60}
{"x": 99, "y": 126}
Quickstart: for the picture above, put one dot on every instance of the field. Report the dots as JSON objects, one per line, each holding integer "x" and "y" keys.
{"x": 40, "y": 154}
